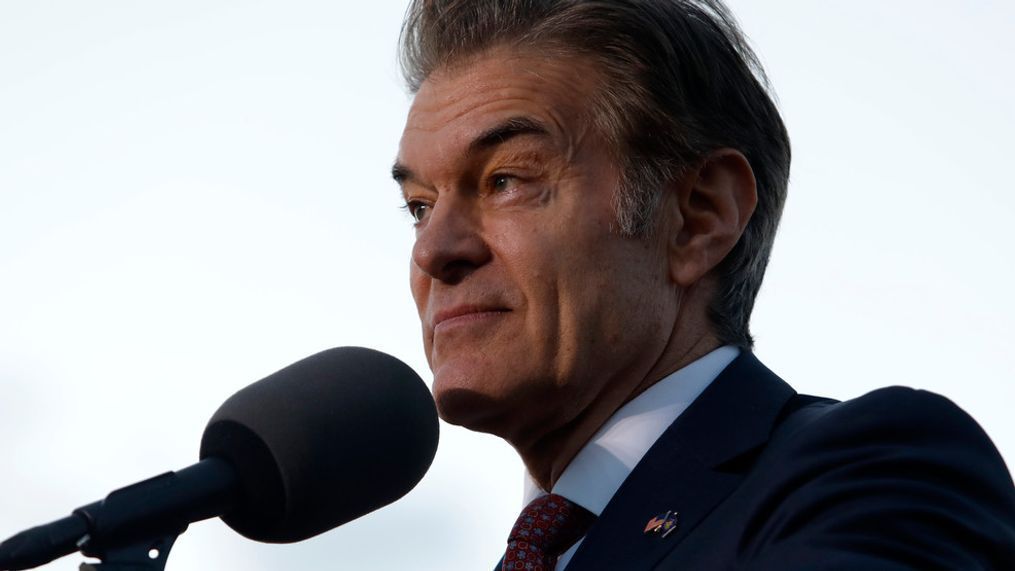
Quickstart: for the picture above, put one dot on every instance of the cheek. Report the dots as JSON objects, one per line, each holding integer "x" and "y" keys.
{"x": 584, "y": 305}
{"x": 608, "y": 292}
{"x": 419, "y": 285}
{"x": 529, "y": 261}
{"x": 563, "y": 287}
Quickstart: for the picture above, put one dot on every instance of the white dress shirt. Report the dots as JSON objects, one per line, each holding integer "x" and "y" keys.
{"x": 602, "y": 465}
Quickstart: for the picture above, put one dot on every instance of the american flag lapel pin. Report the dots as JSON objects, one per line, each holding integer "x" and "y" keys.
{"x": 662, "y": 524}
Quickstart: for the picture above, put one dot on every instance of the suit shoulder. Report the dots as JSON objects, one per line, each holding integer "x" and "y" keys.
{"x": 896, "y": 430}
{"x": 898, "y": 472}
{"x": 906, "y": 402}
{"x": 896, "y": 413}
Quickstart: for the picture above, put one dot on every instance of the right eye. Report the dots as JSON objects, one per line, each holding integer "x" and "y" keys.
{"x": 418, "y": 210}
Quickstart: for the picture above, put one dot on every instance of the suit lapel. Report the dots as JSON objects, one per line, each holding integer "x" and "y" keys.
{"x": 689, "y": 470}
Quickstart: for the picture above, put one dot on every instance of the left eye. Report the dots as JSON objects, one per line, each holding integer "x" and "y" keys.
{"x": 501, "y": 181}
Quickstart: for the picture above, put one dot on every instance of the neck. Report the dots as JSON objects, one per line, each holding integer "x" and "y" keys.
{"x": 547, "y": 457}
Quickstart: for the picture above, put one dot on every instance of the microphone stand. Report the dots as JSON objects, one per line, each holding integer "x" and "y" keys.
{"x": 148, "y": 555}
{"x": 134, "y": 527}
{"x": 124, "y": 543}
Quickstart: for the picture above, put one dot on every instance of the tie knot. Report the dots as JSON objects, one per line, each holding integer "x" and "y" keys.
{"x": 545, "y": 529}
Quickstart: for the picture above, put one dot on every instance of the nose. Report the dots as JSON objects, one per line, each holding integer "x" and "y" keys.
{"x": 449, "y": 245}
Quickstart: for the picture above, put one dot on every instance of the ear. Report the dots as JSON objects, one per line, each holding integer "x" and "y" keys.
{"x": 715, "y": 201}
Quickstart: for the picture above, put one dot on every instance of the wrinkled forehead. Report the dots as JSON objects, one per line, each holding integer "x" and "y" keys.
{"x": 456, "y": 105}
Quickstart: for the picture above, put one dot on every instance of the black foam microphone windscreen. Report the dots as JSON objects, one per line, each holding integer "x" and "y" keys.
{"x": 323, "y": 441}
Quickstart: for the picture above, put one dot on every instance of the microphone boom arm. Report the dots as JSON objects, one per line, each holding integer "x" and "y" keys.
{"x": 132, "y": 524}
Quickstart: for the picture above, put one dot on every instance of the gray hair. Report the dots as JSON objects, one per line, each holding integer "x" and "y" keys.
{"x": 679, "y": 81}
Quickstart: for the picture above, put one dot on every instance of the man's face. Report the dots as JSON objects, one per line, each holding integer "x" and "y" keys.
{"x": 530, "y": 300}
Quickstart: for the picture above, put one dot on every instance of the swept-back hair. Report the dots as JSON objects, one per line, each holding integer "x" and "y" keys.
{"x": 678, "y": 82}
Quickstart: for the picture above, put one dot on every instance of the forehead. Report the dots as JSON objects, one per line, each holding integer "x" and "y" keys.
{"x": 455, "y": 105}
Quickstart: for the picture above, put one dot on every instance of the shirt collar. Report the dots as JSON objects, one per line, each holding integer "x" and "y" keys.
{"x": 602, "y": 465}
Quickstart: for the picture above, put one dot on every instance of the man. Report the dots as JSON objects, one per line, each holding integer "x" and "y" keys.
{"x": 595, "y": 188}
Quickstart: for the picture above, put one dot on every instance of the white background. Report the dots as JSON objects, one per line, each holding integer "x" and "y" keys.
{"x": 194, "y": 194}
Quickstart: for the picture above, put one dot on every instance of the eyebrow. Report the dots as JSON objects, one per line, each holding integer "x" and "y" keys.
{"x": 401, "y": 173}
{"x": 496, "y": 135}
{"x": 506, "y": 130}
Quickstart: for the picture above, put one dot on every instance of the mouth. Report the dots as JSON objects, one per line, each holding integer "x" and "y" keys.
{"x": 465, "y": 314}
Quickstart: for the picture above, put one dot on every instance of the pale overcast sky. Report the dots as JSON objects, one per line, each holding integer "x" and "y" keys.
{"x": 194, "y": 194}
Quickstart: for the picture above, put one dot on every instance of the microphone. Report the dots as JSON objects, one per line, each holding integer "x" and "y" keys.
{"x": 319, "y": 443}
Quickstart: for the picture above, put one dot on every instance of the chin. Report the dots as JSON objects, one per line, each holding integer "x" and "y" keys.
{"x": 468, "y": 394}
{"x": 469, "y": 409}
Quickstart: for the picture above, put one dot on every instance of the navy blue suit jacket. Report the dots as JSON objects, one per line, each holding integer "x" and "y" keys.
{"x": 765, "y": 479}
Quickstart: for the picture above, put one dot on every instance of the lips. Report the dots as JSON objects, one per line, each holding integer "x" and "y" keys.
{"x": 463, "y": 313}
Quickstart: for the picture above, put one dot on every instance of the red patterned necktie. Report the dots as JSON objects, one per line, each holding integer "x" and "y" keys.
{"x": 547, "y": 527}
